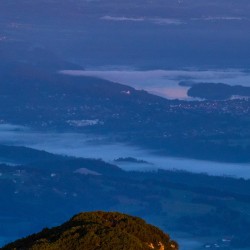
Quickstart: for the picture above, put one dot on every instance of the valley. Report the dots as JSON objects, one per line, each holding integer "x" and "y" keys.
{"x": 127, "y": 106}
{"x": 204, "y": 130}
{"x": 179, "y": 202}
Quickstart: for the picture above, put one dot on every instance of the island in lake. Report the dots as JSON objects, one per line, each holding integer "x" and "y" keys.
{"x": 131, "y": 160}
{"x": 215, "y": 91}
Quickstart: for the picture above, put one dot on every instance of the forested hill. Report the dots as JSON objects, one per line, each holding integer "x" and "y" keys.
{"x": 98, "y": 230}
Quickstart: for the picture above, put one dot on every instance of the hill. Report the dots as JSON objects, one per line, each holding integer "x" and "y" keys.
{"x": 98, "y": 230}
{"x": 218, "y": 91}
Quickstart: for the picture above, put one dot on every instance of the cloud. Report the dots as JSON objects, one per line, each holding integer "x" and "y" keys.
{"x": 122, "y": 19}
{"x": 219, "y": 18}
{"x": 167, "y": 21}
{"x": 172, "y": 21}
{"x": 157, "y": 20}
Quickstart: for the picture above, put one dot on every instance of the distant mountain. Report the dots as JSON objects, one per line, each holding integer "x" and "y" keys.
{"x": 98, "y": 230}
{"x": 17, "y": 54}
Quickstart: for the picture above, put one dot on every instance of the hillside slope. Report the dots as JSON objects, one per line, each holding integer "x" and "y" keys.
{"x": 98, "y": 230}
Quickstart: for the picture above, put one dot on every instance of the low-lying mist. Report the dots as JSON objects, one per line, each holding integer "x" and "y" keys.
{"x": 82, "y": 145}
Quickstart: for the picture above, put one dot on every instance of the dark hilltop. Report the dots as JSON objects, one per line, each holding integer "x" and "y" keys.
{"x": 98, "y": 230}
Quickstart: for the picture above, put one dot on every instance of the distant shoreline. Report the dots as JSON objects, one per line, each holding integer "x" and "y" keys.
{"x": 165, "y": 83}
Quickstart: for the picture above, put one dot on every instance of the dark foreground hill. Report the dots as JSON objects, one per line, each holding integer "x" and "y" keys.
{"x": 98, "y": 230}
